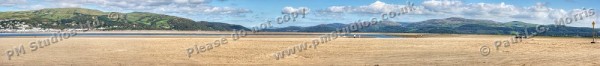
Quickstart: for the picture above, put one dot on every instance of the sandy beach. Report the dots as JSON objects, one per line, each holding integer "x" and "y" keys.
{"x": 445, "y": 50}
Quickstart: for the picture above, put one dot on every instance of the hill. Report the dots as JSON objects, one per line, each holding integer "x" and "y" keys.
{"x": 61, "y": 18}
{"x": 452, "y": 25}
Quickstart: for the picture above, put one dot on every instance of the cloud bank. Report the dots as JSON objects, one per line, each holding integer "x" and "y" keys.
{"x": 12, "y": 2}
{"x": 539, "y": 13}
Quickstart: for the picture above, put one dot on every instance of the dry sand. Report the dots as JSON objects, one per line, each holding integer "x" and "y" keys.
{"x": 447, "y": 50}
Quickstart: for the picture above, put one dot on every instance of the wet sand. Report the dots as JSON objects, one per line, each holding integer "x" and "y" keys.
{"x": 446, "y": 50}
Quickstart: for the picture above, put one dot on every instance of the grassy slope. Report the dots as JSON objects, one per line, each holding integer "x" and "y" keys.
{"x": 63, "y": 18}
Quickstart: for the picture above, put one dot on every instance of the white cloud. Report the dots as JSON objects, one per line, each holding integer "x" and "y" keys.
{"x": 377, "y": 7}
{"x": 349, "y": 13}
{"x": 156, "y": 6}
{"x": 289, "y": 10}
{"x": 12, "y": 2}
{"x": 338, "y": 9}
{"x": 539, "y": 13}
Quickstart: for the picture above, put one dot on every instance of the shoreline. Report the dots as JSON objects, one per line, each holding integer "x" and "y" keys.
{"x": 205, "y": 34}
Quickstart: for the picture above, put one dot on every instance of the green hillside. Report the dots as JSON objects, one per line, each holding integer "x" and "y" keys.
{"x": 61, "y": 18}
{"x": 453, "y": 25}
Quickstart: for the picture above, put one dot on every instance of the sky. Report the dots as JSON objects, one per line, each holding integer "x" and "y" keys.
{"x": 251, "y": 13}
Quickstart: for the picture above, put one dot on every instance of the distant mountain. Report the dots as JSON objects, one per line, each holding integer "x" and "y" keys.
{"x": 60, "y": 18}
{"x": 452, "y": 25}
{"x": 317, "y": 28}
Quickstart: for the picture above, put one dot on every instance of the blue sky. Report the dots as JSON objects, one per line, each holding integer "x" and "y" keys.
{"x": 250, "y": 13}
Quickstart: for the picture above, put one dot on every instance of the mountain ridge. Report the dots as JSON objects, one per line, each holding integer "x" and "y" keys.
{"x": 452, "y": 25}
{"x": 63, "y": 18}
